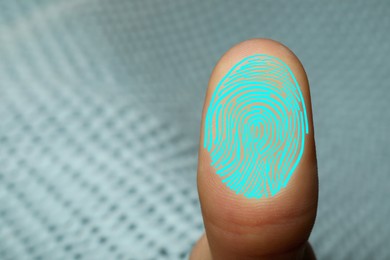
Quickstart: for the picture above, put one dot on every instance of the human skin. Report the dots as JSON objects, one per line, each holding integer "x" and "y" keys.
{"x": 276, "y": 227}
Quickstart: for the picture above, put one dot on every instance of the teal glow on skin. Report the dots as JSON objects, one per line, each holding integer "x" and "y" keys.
{"x": 255, "y": 126}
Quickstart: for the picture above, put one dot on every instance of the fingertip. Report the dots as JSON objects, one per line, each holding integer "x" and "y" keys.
{"x": 280, "y": 221}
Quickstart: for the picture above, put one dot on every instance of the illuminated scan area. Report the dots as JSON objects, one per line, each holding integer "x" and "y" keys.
{"x": 255, "y": 126}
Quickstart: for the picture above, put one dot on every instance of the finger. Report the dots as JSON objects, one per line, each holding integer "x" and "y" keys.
{"x": 257, "y": 173}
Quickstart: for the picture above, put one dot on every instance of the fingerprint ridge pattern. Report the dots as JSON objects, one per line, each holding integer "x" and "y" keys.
{"x": 255, "y": 126}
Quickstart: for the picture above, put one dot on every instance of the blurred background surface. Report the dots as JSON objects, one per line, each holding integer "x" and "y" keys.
{"x": 100, "y": 105}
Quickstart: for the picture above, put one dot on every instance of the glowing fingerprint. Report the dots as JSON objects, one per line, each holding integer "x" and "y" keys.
{"x": 255, "y": 126}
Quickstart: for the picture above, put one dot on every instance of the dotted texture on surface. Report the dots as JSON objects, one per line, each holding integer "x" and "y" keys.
{"x": 100, "y": 105}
